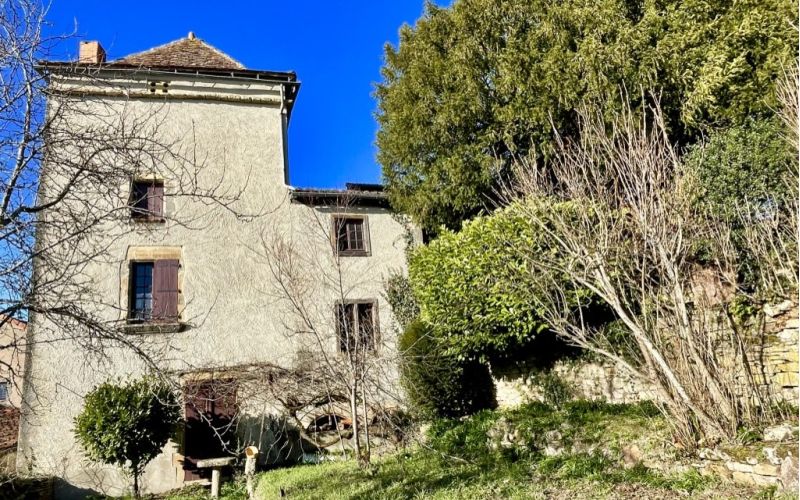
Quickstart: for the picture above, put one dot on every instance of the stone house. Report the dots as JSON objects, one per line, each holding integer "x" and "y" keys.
{"x": 197, "y": 284}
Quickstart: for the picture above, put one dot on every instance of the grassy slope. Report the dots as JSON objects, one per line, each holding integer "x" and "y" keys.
{"x": 456, "y": 463}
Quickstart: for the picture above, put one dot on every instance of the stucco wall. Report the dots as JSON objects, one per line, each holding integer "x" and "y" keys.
{"x": 234, "y": 312}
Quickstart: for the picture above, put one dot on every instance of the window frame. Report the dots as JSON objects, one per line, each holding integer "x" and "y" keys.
{"x": 5, "y": 391}
{"x": 139, "y": 215}
{"x": 132, "y": 291}
{"x": 336, "y": 226}
{"x": 375, "y": 322}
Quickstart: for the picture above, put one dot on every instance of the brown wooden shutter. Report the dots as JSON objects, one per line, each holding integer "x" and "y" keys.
{"x": 155, "y": 200}
{"x": 165, "y": 289}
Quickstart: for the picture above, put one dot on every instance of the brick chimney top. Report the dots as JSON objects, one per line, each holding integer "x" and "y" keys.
{"x": 91, "y": 53}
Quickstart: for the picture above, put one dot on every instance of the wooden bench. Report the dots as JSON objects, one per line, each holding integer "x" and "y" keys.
{"x": 216, "y": 465}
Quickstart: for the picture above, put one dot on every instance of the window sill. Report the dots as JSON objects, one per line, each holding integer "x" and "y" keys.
{"x": 354, "y": 253}
{"x": 147, "y": 328}
{"x": 148, "y": 220}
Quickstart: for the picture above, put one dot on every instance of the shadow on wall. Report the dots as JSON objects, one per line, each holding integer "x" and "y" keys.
{"x": 539, "y": 354}
{"x": 279, "y": 441}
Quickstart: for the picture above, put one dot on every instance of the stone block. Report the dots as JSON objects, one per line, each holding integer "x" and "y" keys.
{"x": 766, "y": 469}
{"x": 764, "y": 480}
{"x": 743, "y": 477}
{"x": 778, "y": 433}
{"x": 739, "y": 467}
{"x": 788, "y": 475}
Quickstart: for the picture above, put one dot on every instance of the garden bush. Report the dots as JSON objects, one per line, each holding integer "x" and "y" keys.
{"x": 439, "y": 384}
{"x": 127, "y": 424}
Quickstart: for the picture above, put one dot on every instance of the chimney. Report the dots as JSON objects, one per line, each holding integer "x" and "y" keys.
{"x": 91, "y": 53}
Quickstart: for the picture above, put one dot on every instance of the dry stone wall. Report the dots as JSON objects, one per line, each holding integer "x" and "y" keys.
{"x": 775, "y": 360}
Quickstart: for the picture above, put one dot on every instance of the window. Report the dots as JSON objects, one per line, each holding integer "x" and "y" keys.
{"x": 3, "y": 391}
{"x": 154, "y": 291}
{"x": 147, "y": 200}
{"x": 356, "y": 326}
{"x": 352, "y": 235}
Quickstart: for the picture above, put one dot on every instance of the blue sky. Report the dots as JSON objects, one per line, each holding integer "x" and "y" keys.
{"x": 336, "y": 48}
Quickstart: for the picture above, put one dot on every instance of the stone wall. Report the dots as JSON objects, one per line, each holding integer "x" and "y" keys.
{"x": 775, "y": 359}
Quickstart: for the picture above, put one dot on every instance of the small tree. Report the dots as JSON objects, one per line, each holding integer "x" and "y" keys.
{"x": 127, "y": 424}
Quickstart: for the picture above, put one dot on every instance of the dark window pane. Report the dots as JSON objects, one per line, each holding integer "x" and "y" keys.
{"x": 147, "y": 199}
{"x": 141, "y": 291}
{"x": 3, "y": 391}
{"x": 366, "y": 326}
{"x": 356, "y": 326}
{"x": 350, "y": 235}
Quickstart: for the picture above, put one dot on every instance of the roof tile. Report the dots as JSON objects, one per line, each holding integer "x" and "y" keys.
{"x": 189, "y": 52}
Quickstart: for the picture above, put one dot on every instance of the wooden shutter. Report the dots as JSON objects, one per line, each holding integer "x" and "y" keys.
{"x": 155, "y": 200}
{"x": 165, "y": 289}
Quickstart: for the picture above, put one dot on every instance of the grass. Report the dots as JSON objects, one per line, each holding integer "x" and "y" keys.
{"x": 456, "y": 463}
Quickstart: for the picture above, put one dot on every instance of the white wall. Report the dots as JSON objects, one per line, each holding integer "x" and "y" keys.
{"x": 230, "y": 298}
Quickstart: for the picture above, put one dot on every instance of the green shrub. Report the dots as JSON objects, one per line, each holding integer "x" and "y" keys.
{"x": 555, "y": 390}
{"x": 464, "y": 438}
{"x": 127, "y": 424}
{"x": 743, "y": 167}
{"x": 476, "y": 287}
{"x": 400, "y": 296}
{"x": 438, "y": 384}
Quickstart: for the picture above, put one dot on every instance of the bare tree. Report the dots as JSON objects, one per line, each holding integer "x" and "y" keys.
{"x": 618, "y": 210}
{"x": 343, "y": 365}
{"x": 67, "y": 162}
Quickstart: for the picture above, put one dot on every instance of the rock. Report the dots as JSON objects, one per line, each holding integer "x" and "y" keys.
{"x": 553, "y": 451}
{"x": 631, "y": 455}
{"x": 773, "y": 310}
{"x": 751, "y": 461}
{"x": 788, "y": 473}
{"x": 778, "y": 433}
{"x": 553, "y": 437}
{"x": 766, "y": 469}
{"x": 739, "y": 467}
{"x": 772, "y": 456}
{"x": 764, "y": 480}
{"x": 720, "y": 471}
{"x": 743, "y": 477}
{"x": 503, "y": 434}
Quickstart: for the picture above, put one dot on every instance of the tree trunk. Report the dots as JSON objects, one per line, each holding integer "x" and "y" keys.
{"x": 136, "y": 482}
{"x": 354, "y": 418}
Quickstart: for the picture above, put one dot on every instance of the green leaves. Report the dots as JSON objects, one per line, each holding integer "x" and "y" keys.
{"x": 473, "y": 86}
{"x": 127, "y": 424}
{"x": 476, "y": 287}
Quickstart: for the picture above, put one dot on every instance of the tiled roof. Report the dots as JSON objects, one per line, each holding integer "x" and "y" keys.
{"x": 189, "y": 52}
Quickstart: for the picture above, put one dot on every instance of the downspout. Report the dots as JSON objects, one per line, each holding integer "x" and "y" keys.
{"x": 285, "y": 135}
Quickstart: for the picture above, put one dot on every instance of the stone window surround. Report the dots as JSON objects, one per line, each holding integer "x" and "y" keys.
{"x": 149, "y": 254}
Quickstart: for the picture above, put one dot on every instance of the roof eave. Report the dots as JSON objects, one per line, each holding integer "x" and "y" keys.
{"x": 339, "y": 198}
{"x": 288, "y": 79}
